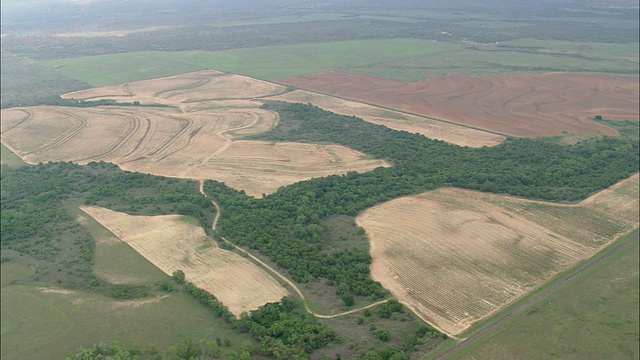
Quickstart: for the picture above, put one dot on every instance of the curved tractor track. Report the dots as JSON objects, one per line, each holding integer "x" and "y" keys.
{"x": 278, "y": 274}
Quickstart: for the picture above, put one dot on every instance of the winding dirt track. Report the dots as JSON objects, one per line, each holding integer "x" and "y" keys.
{"x": 278, "y": 274}
{"x": 535, "y": 300}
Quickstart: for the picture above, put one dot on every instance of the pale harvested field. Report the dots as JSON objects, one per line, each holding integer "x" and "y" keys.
{"x": 526, "y": 105}
{"x": 183, "y": 89}
{"x": 395, "y": 120}
{"x": 276, "y": 164}
{"x": 456, "y": 256}
{"x": 171, "y": 244}
{"x": 195, "y": 139}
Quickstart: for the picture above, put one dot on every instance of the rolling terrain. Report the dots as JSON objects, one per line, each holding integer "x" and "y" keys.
{"x": 526, "y": 105}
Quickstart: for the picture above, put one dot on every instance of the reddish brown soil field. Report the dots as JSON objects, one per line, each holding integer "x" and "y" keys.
{"x": 525, "y": 105}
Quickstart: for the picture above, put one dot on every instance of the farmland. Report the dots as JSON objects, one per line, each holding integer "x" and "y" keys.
{"x": 595, "y": 316}
{"x": 488, "y": 250}
{"x": 519, "y": 105}
{"x": 453, "y": 157}
{"x": 171, "y": 244}
{"x": 395, "y": 120}
{"x": 195, "y": 142}
{"x": 182, "y": 89}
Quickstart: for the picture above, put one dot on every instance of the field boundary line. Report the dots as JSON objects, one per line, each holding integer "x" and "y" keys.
{"x": 396, "y": 110}
{"x": 278, "y": 274}
{"x": 590, "y": 264}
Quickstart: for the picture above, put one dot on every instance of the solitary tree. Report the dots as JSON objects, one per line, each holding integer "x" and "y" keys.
{"x": 178, "y": 276}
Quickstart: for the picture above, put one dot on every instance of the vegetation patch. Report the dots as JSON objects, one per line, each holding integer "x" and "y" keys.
{"x": 48, "y": 322}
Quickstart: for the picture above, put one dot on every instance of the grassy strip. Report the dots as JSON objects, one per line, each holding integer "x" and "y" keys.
{"x": 7, "y": 157}
{"x": 594, "y": 316}
{"x": 562, "y": 276}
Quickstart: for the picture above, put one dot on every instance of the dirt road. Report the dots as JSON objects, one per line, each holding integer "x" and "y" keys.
{"x": 278, "y": 274}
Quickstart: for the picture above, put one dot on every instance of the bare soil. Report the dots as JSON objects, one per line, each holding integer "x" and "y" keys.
{"x": 457, "y": 256}
{"x": 189, "y": 88}
{"x": 526, "y": 105}
{"x": 194, "y": 138}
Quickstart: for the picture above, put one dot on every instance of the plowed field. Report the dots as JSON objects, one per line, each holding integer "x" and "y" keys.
{"x": 195, "y": 141}
{"x": 434, "y": 129}
{"x": 525, "y": 105}
{"x": 456, "y": 256}
{"x": 171, "y": 244}
{"x": 182, "y": 89}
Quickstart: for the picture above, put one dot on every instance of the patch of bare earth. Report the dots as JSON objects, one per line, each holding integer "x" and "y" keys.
{"x": 173, "y": 244}
{"x": 273, "y": 165}
{"x": 395, "y": 120}
{"x": 525, "y": 105}
{"x": 195, "y": 140}
{"x": 183, "y": 89}
{"x": 456, "y": 256}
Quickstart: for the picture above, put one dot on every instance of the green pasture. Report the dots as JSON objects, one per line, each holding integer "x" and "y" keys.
{"x": 307, "y": 17}
{"x": 50, "y": 323}
{"x": 401, "y": 59}
{"x": 498, "y": 60}
{"x": 268, "y": 63}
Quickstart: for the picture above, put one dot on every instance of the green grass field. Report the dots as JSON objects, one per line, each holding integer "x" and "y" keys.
{"x": 50, "y": 323}
{"x": 268, "y": 63}
{"x": 594, "y": 317}
{"x": 401, "y": 59}
{"x": 9, "y": 158}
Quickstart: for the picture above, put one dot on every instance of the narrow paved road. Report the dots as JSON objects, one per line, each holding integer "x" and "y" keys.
{"x": 533, "y": 301}
{"x": 278, "y": 274}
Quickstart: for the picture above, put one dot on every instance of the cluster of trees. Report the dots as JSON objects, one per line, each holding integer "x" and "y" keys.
{"x": 36, "y": 224}
{"x": 287, "y": 226}
{"x": 187, "y": 349}
{"x": 284, "y": 329}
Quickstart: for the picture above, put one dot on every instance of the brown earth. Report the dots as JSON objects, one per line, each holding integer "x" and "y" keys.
{"x": 396, "y": 120}
{"x": 526, "y": 105}
{"x": 194, "y": 138}
{"x": 171, "y": 243}
{"x": 183, "y": 89}
{"x": 457, "y": 256}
